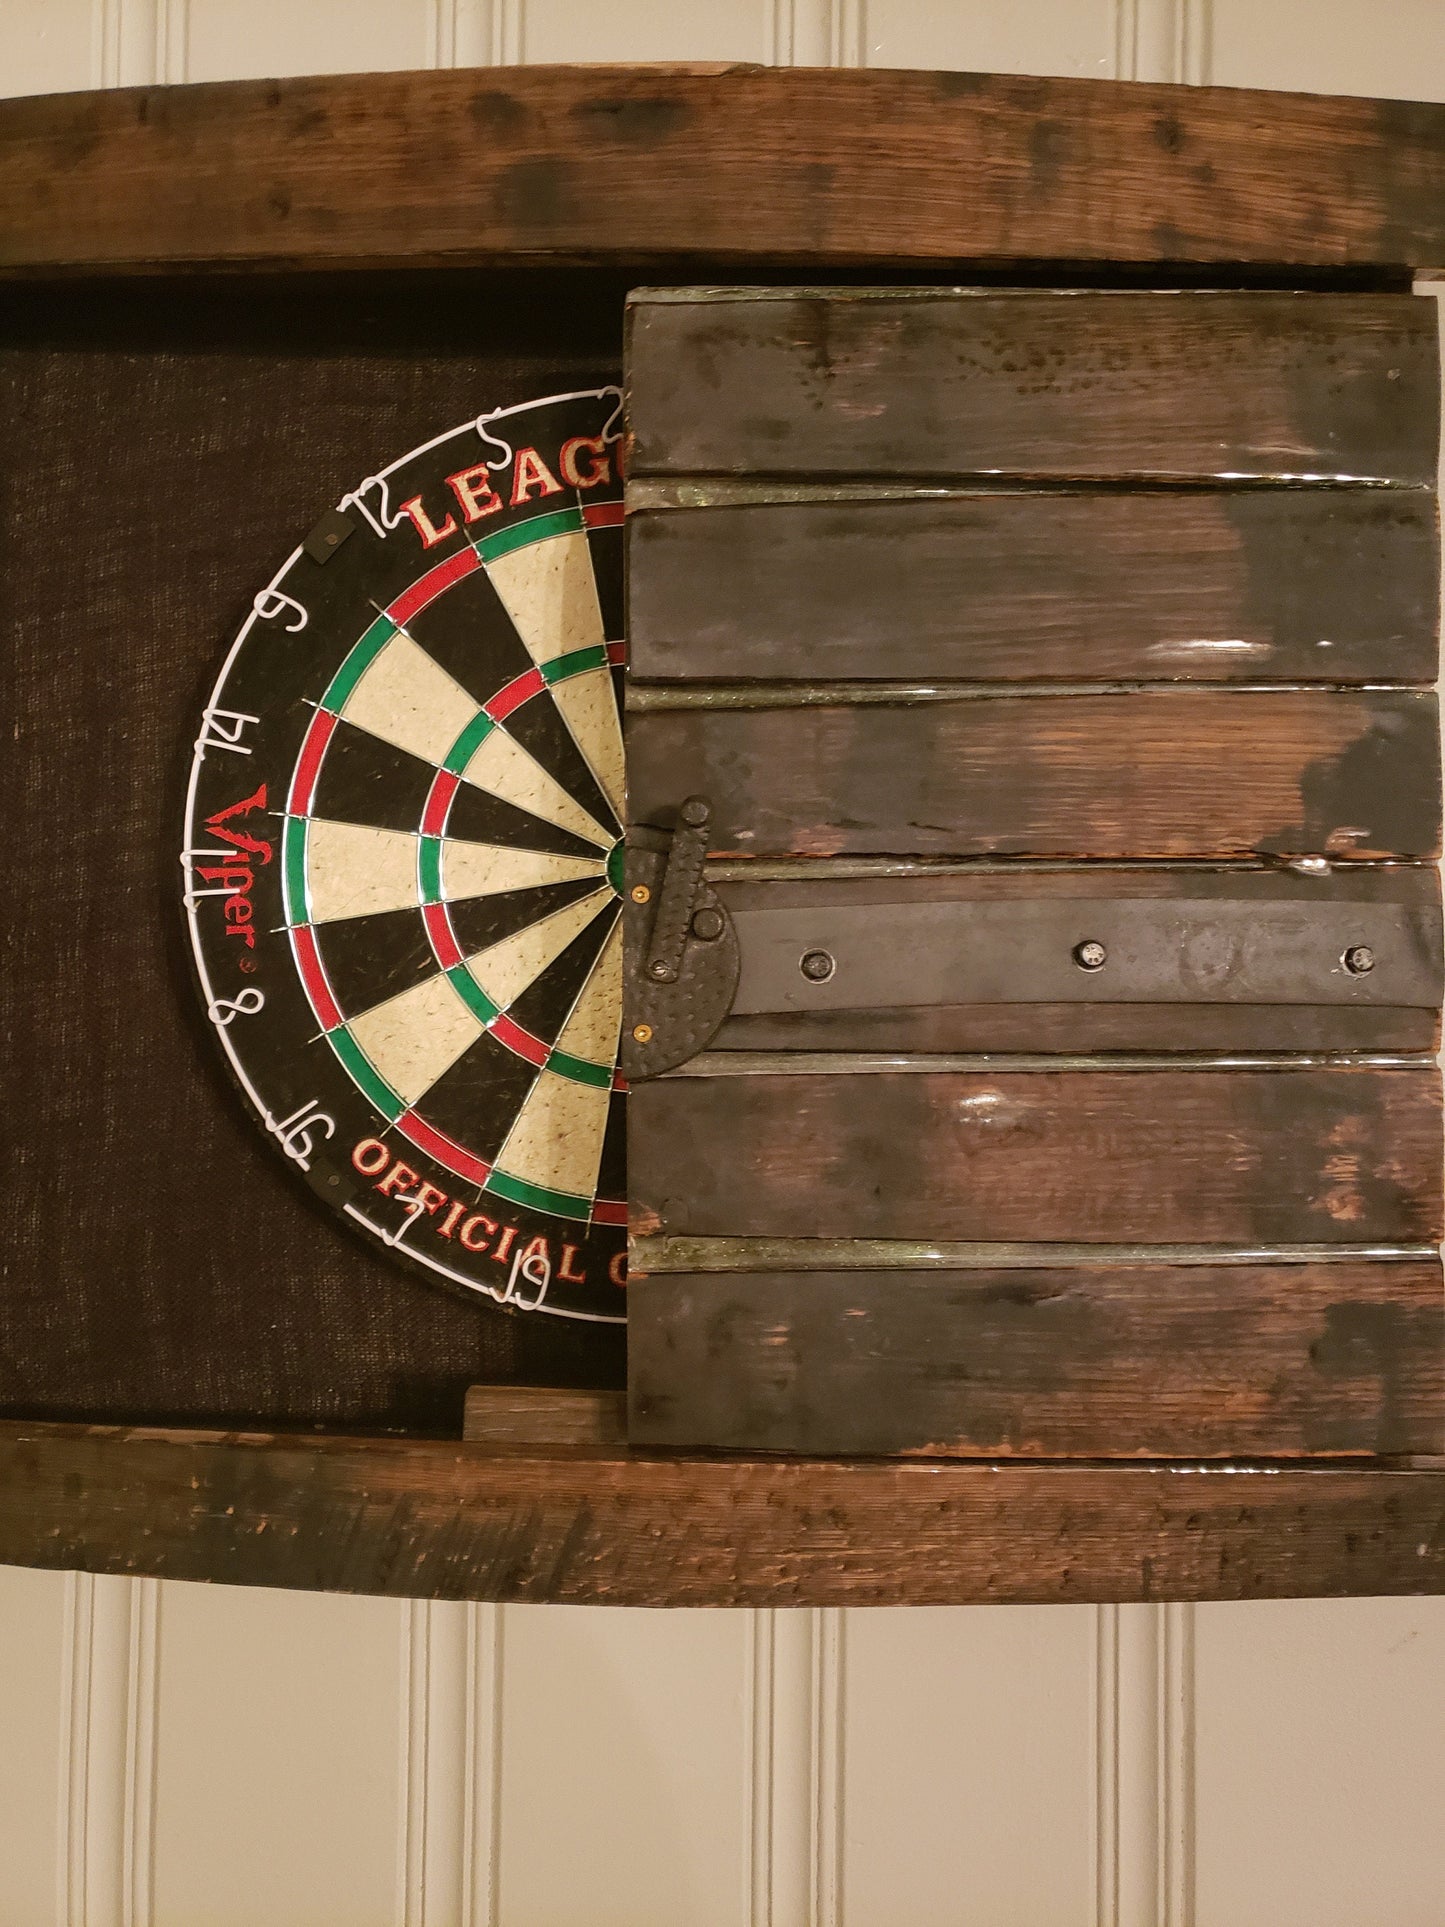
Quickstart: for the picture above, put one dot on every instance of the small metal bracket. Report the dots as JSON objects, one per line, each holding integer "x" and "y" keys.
{"x": 679, "y": 947}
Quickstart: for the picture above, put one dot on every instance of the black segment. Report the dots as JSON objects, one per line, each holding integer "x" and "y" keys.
{"x": 364, "y": 780}
{"x": 468, "y": 633}
{"x": 605, "y": 546}
{"x": 369, "y": 959}
{"x": 478, "y": 817}
{"x": 481, "y": 921}
{"x": 539, "y": 728}
{"x": 544, "y": 1007}
{"x": 612, "y": 1173}
{"x": 476, "y": 1101}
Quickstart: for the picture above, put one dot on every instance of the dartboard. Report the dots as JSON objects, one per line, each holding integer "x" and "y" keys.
{"x": 403, "y": 857}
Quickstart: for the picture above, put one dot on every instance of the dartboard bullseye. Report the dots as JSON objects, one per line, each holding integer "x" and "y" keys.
{"x": 403, "y": 857}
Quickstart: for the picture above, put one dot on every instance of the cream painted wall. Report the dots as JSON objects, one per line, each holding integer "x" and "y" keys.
{"x": 181, "y": 1756}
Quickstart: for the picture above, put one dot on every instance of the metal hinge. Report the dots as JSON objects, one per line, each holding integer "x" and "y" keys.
{"x": 679, "y": 947}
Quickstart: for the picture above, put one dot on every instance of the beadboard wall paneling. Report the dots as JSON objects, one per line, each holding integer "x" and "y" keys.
{"x": 282, "y": 1756}
{"x": 967, "y": 1769}
{"x": 46, "y": 48}
{"x": 1319, "y": 1763}
{"x": 34, "y": 1657}
{"x": 269, "y": 37}
{"x": 1024, "y": 37}
{"x": 625, "y": 1763}
{"x": 1331, "y": 47}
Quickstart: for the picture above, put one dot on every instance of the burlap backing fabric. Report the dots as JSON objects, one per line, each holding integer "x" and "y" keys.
{"x": 166, "y": 444}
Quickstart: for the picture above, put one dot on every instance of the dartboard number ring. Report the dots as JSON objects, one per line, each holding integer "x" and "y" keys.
{"x": 403, "y": 857}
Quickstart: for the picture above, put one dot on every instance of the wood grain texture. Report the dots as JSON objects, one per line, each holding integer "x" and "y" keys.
{"x": 1160, "y": 773}
{"x": 1253, "y": 1157}
{"x": 1102, "y": 1361}
{"x": 608, "y": 1527}
{"x": 542, "y": 1415}
{"x": 1105, "y": 1026}
{"x": 1237, "y": 586}
{"x": 748, "y": 163}
{"x": 929, "y": 383}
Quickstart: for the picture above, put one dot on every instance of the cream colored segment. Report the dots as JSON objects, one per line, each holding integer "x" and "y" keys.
{"x": 550, "y": 592}
{"x": 416, "y": 1035}
{"x": 591, "y": 1031}
{"x": 353, "y": 870}
{"x": 503, "y": 768}
{"x": 486, "y": 869}
{"x": 556, "y": 1137}
{"x": 589, "y": 708}
{"x": 504, "y": 969}
{"x": 407, "y": 699}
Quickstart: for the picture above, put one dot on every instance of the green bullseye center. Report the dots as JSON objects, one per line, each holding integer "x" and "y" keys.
{"x": 617, "y": 866}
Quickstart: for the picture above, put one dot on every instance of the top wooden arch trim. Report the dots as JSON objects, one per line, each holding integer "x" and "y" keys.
{"x": 749, "y": 165}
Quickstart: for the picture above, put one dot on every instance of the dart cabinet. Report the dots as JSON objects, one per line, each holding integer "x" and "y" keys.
{"x": 1031, "y": 929}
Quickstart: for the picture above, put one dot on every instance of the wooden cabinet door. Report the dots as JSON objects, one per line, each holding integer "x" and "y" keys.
{"x": 1054, "y": 670}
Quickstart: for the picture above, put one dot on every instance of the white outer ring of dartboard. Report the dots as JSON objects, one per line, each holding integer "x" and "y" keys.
{"x": 498, "y": 1293}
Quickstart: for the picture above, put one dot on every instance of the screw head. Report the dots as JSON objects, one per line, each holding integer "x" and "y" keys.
{"x": 817, "y": 966}
{"x": 640, "y": 893}
{"x": 642, "y": 1033}
{"x": 695, "y": 812}
{"x": 707, "y": 925}
{"x": 1090, "y": 954}
{"x": 1359, "y": 959}
{"x": 660, "y": 974}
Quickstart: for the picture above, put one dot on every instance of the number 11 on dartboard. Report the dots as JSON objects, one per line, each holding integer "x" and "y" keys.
{"x": 403, "y": 857}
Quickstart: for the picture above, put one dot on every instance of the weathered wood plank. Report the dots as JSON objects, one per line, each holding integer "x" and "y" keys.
{"x": 1336, "y": 585}
{"x": 1116, "y": 1024}
{"x": 542, "y": 1415}
{"x": 1090, "y": 1362}
{"x": 1084, "y": 1028}
{"x": 803, "y": 165}
{"x": 1163, "y": 773}
{"x": 927, "y": 382}
{"x": 1253, "y": 1157}
{"x": 446, "y": 1521}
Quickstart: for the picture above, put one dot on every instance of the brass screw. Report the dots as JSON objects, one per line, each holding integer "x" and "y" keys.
{"x": 642, "y": 1033}
{"x": 640, "y": 893}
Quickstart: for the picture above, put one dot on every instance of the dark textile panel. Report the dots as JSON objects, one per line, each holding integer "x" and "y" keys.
{"x": 166, "y": 445}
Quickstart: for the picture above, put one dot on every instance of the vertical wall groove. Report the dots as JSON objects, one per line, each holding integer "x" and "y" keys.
{"x": 442, "y": 34}
{"x": 415, "y": 1629}
{"x": 1104, "y": 1814}
{"x": 1194, "y": 51}
{"x": 482, "y": 1795}
{"x": 1176, "y": 1777}
{"x": 828, "y": 1790}
{"x": 848, "y": 33}
{"x": 142, "y": 1710}
{"x": 104, "y": 1840}
{"x": 74, "y": 1738}
{"x": 758, "y": 1767}
{"x": 172, "y": 41}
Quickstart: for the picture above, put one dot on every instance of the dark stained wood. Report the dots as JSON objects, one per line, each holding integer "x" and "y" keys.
{"x": 1253, "y": 1157}
{"x": 1162, "y": 773}
{"x": 1152, "y": 1361}
{"x": 1336, "y": 585}
{"x": 1080, "y": 1027}
{"x": 804, "y": 165}
{"x": 1177, "y": 387}
{"x": 543, "y": 1415}
{"x": 446, "y": 1521}
{"x": 1087, "y": 1027}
